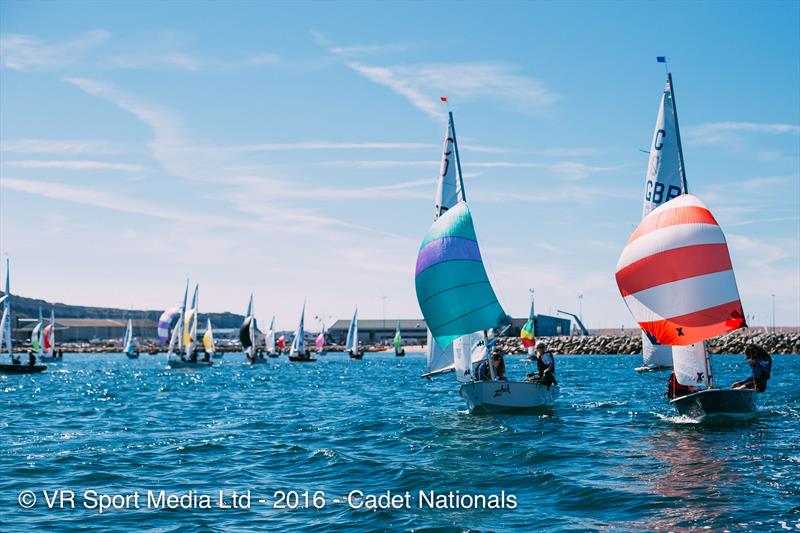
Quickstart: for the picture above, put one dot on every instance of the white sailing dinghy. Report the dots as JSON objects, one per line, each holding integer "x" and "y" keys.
{"x": 351, "y": 344}
{"x": 676, "y": 277}
{"x": 15, "y": 366}
{"x": 297, "y": 353}
{"x": 208, "y": 342}
{"x": 397, "y": 342}
{"x": 665, "y": 180}
{"x": 48, "y": 340}
{"x": 185, "y": 330}
{"x": 269, "y": 340}
{"x": 458, "y": 302}
{"x": 128, "y": 345}
{"x": 247, "y": 336}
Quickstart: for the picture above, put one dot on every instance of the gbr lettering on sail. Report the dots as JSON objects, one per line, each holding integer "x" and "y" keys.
{"x": 663, "y": 182}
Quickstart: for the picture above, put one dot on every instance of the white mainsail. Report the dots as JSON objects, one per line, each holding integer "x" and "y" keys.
{"x": 665, "y": 180}
{"x": 176, "y": 341}
{"x": 352, "y": 334}
{"x": 190, "y": 326}
{"x": 269, "y": 340}
{"x": 127, "y": 341}
{"x": 298, "y": 343}
{"x": 5, "y": 327}
{"x": 468, "y": 350}
{"x": 449, "y": 192}
{"x": 691, "y": 365}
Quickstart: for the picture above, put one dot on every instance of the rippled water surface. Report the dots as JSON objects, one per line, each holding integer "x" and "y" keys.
{"x": 611, "y": 455}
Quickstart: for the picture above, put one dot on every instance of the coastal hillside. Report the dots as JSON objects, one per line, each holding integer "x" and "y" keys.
{"x": 29, "y": 308}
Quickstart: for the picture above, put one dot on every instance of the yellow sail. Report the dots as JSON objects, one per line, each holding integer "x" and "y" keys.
{"x": 189, "y": 327}
{"x": 208, "y": 339}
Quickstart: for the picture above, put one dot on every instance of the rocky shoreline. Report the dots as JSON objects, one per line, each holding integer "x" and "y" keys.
{"x": 780, "y": 343}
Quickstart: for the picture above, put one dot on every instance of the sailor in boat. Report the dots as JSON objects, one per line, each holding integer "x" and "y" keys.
{"x": 761, "y": 365}
{"x": 677, "y": 390}
{"x": 31, "y": 358}
{"x": 499, "y": 364}
{"x": 546, "y": 366}
{"x": 206, "y": 357}
{"x": 16, "y": 360}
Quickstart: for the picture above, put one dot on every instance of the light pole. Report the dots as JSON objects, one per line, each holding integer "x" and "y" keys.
{"x": 580, "y": 306}
{"x": 773, "y": 313}
{"x": 384, "y": 311}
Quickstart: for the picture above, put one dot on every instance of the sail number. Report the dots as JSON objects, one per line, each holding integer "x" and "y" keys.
{"x": 655, "y": 192}
{"x": 658, "y": 143}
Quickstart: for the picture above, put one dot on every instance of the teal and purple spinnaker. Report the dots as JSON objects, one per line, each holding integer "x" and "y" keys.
{"x": 453, "y": 289}
{"x": 166, "y": 322}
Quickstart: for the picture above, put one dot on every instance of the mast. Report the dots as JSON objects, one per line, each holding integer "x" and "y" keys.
{"x": 684, "y": 183}
{"x": 462, "y": 195}
{"x": 7, "y": 310}
{"x": 182, "y": 319}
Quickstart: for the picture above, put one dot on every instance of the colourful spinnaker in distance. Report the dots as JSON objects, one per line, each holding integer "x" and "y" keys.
{"x": 676, "y": 277}
{"x": 526, "y": 334}
{"x": 453, "y": 289}
{"x": 166, "y": 322}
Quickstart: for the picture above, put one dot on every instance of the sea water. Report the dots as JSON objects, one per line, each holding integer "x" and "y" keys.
{"x": 114, "y": 444}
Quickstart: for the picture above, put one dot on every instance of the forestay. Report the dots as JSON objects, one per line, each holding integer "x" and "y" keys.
{"x": 452, "y": 286}
{"x": 676, "y": 277}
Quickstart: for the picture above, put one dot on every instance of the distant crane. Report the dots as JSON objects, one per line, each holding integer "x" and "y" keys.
{"x": 583, "y": 329}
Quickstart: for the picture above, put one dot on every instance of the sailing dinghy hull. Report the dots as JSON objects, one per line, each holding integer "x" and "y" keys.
{"x": 652, "y": 368}
{"x": 504, "y": 396}
{"x": 47, "y": 359}
{"x": 717, "y": 403}
{"x": 356, "y": 355}
{"x": 132, "y": 355}
{"x": 189, "y": 364}
{"x": 22, "y": 369}
{"x": 301, "y": 359}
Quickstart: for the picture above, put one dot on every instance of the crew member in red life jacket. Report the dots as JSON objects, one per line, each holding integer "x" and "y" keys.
{"x": 676, "y": 390}
{"x": 761, "y": 364}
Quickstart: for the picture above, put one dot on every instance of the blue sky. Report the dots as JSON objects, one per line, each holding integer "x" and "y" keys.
{"x": 292, "y": 149}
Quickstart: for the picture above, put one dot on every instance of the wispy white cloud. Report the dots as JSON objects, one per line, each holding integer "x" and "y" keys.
{"x": 94, "y": 197}
{"x": 60, "y": 147}
{"x": 329, "y": 145}
{"x": 73, "y": 165}
{"x": 423, "y": 84}
{"x": 571, "y": 170}
{"x": 179, "y": 60}
{"x": 717, "y": 132}
{"x": 26, "y": 52}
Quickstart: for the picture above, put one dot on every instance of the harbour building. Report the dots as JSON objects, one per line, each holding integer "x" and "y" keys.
{"x": 414, "y": 331}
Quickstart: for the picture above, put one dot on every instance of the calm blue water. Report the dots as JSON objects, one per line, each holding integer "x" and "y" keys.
{"x": 611, "y": 455}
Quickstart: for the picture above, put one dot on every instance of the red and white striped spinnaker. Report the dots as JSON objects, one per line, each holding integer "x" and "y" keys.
{"x": 676, "y": 277}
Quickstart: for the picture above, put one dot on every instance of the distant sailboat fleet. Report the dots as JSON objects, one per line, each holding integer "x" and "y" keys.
{"x": 674, "y": 274}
